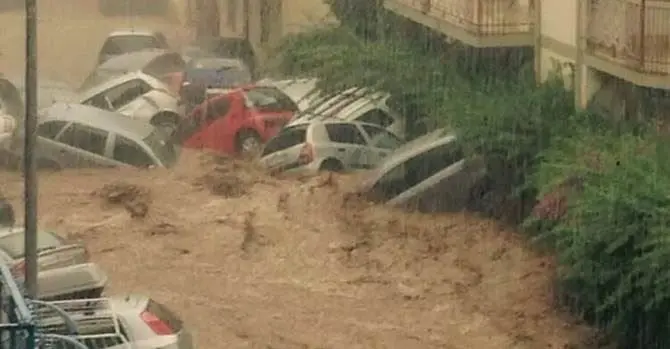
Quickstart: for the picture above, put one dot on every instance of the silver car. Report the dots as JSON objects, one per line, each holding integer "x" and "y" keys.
{"x": 65, "y": 270}
{"x": 356, "y": 105}
{"x": 124, "y": 41}
{"x": 139, "y": 96}
{"x": 331, "y": 145}
{"x": 74, "y": 135}
{"x": 132, "y": 321}
{"x": 428, "y": 174}
{"x": 49, "y": 91}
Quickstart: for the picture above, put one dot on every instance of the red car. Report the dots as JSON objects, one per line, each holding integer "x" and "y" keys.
{"x": 239, "y": 121}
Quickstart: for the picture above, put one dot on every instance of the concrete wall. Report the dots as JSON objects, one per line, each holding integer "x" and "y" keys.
{"x": 558, "y": 23}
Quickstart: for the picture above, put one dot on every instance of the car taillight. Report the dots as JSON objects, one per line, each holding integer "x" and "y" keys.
{"x": 156, "y": 324}
{"x": 19, "y": 269}
{"x": 306, "y": 154}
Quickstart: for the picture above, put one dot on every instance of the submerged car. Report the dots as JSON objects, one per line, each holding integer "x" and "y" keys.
{"x": 238, "y": 121}
{"x": 128, "y": 321}
{"x": 125, "y": 41}
{"x": 65, "y": 270}
{"x": 74, "y": 135}
{"x": 225, "y": 47}
{"x": 214, "y": 72}
{"x": 429, "y": 174}
{"x": 328, "y": 146}
{"x": 139, "y": 96}
{"x": 161, "y": 64}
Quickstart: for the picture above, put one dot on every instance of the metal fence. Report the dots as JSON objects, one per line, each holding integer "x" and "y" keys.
{"x": 480, "y": 17}
{"x": 17, "y": 328}
{"x": 633, "y": 33}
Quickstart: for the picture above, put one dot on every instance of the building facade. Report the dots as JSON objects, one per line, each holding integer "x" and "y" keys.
{"x": 587, "y": 41}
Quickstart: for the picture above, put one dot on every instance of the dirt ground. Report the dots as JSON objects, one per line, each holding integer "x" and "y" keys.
{"x": 251, "y": 261}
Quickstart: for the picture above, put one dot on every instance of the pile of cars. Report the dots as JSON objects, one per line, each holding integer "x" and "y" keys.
{"x": 71, "y": 300}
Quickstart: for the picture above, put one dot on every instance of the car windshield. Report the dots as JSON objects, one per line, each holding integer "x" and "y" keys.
{"x": 12, "y": 243}
{"x": 130, "y": 43}
{"x": 162, "y": 147}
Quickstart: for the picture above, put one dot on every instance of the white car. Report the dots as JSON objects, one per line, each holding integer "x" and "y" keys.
{"x": 131, "y": 321}
{"x": 330, "y": 145}
{"x": 125, "y": 41}
{"x": 139, "y": 96}
{"x": 356, "y": 105}
{"x": 65, "y": 270}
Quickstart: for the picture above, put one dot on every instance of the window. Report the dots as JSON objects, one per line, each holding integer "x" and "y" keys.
{"x": 381, "y": 138}
{"x": 130, "y": 43}
{"x": 287, "y": 138}
{"x": 376, "y": 117}
{"x": 216, "y": 108}
{"x": 345, "y": 133}
{"x": 125, "y": 93}
{"x": 416, "y": 170}
{"x": 50, "y": 129}
{"x": 86, "y": 138}
{"x": 131, "y": 153}
{"x": 270, "y": 99}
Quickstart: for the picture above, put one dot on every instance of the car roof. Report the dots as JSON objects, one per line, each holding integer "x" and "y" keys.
{"x": 132, "y": 31}
{"x": 117, "y": 80}
{"x": 136, "y": 60}
{"x": 106, "y": 120}
{"x": 343, "y": 104}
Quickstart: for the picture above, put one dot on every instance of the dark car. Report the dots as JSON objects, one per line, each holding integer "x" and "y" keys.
{"x": 215, "y": 72}
{"x": 227, "y": 47}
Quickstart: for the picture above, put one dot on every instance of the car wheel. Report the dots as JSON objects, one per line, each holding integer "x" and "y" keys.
{"x": 249, "y": 143}
{"x": 331, "y": 165}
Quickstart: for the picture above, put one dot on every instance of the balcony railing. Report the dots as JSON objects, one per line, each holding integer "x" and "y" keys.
{"x": 479, "y": 17}
{"x": 632, "y": 33}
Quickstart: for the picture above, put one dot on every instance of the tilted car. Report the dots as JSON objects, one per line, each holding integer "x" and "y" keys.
{"x": 356, "y": 105}
{"x": 75, "y": 135}
{"x": 139, "y": 96}
{"x": 124, "y": 41}
{"x": 237, "y": 121}
{"x": 430, "y": 174}
{"x": 65, "y": 270}
{"x": 331, "y": 145}
{"x": 130, "y": 321}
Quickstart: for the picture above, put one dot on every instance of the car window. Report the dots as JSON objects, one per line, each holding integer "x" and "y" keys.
{"x": 50, "y": 129}
{"x": 270, "y": 99}
{"x": 416, "y": 170}
{"x": 125, "y": 93}
{"x": 131, "y": 153}
{"x": 377, "y": 117}
{"x": 130, "y": 43}
{"x": 382, "y": 138}
{"x": 345, "y": 133}
{"x": 287, "y": 138}
{"x": 84, "y": 137}
{"x": 217, "y": 108}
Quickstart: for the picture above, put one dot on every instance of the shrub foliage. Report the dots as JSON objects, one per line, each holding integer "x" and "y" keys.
{"x": 609, "y": 184}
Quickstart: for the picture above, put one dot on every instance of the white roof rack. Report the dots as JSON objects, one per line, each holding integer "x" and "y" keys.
{"x": 96, "y": 321}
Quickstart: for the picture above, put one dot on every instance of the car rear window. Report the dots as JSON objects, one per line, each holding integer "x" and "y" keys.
{"x": 165, "y": 314}
{"x": 13, "y": 244}
{"x": 287, "y": 138}
{"x": 130, "y": 43}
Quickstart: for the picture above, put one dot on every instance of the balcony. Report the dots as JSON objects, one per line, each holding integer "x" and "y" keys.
{"x": 478, "y": 23}
{"x": 630, "y": 39}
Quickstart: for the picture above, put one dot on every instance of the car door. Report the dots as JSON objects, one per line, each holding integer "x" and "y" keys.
{"x": 127, "y": 151}
{"x": 383, "y": 118}
{"x": 381, "y": 143}
{"x": 216, "y": 128}
{"x": 83, "y": 146}
{"x": 350, "y": 145}
{"x": 47, "y": 147}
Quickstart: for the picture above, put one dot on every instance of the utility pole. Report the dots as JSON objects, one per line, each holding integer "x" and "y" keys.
{"x": 29, "y": 166}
